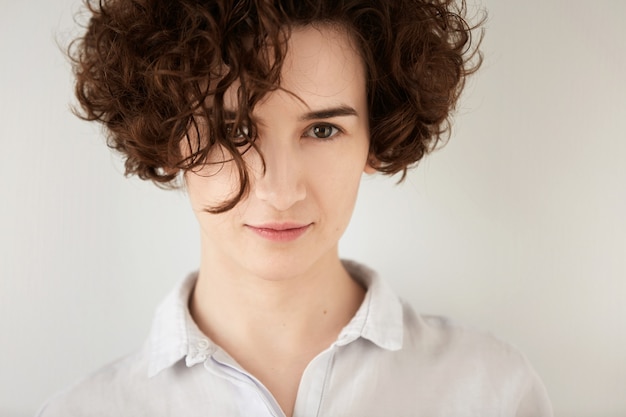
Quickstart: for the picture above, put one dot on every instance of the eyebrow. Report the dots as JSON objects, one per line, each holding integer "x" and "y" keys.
{"x": 339, "y": 111}
{"x": 329, "y": 113}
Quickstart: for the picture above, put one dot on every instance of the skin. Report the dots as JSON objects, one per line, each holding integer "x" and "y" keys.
{"x": 285, "y": 294}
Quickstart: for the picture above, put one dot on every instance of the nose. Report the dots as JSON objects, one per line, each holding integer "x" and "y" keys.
{"x": 281, "y": 185}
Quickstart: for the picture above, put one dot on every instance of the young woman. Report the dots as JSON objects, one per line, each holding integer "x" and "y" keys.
{"x": 270, "y": 112}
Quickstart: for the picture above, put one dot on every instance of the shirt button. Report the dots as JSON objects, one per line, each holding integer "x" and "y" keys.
{"x": 203, "y": 344}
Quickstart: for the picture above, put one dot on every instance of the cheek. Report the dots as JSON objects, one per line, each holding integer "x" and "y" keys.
{"x": 212, "y": 185}
{"x": 335, "y": 178}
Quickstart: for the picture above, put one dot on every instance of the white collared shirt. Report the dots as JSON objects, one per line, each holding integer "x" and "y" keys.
{"x": 387, "y": 362}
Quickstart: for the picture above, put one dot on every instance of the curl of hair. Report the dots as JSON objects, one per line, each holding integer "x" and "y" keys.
{"x": 154, "y": 73}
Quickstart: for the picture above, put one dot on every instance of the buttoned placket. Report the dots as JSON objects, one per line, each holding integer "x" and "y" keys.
{"x": 313, "y": 384}
{"x": 223, "y": 366}
{"x": 310, "y": 391}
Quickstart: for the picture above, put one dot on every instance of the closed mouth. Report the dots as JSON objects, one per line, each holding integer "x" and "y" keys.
{"x": 280, "y": 232}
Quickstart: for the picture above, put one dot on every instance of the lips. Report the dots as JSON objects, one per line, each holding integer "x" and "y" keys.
{"x": 280, "y": 232}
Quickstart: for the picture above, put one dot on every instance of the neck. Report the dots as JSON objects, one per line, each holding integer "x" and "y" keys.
{"x": 238, "y": 309}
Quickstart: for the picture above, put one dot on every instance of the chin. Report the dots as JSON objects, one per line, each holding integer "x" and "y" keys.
{"x": 277, "y": 270}
{"x": 281, "y": 267}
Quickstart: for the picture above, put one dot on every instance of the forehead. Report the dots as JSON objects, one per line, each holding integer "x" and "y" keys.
{"x": 321, "y": 58}
{"x": 322, "y": 67}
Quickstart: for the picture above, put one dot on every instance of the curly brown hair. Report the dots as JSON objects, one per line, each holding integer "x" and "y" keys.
{"x": 155, "y": 73}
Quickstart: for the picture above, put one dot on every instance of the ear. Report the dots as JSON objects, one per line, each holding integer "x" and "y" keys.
{"x": 169, "y": 170}
{"x": 370, "y": 165}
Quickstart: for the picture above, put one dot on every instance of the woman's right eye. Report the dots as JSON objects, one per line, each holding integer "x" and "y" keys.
{"x": 237, "y": 133}
{"x": 240, "y": 136}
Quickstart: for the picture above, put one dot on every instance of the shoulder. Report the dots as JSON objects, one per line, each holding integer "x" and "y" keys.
{"x": 136, "y": 383}
{"x": 457, "y": 354}
{"x": 100, "y": 390}
{"x": 439, "y": 335}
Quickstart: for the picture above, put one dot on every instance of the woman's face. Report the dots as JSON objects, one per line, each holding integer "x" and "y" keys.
{"x": 315, "y": 145}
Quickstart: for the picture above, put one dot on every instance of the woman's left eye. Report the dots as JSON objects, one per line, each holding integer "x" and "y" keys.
{"x": 322, "y": 131}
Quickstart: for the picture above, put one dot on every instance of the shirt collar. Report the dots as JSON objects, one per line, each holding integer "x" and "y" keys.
{"x": 379, "y": 319}
{"x": 175, "y": 335}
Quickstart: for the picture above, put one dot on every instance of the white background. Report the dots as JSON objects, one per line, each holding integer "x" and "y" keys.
{"x": 516, "y": 227}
